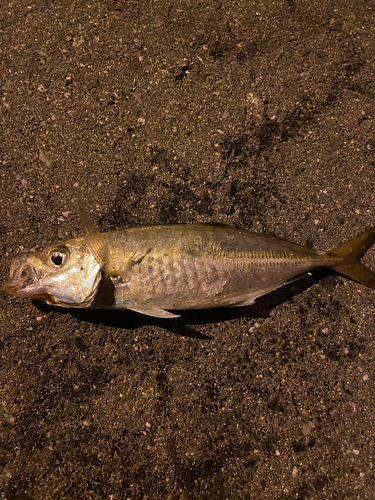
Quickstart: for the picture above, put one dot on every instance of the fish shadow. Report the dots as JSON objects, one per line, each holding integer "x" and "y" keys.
{"x": 126, "y": 319}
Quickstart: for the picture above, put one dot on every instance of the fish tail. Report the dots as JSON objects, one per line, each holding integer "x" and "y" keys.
{"x": 350, "y": 254}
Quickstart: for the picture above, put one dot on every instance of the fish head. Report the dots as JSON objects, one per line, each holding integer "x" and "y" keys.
{"x": 66, "y": 275}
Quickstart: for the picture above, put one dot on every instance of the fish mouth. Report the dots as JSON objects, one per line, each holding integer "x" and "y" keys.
{"x": 23, "y": 280}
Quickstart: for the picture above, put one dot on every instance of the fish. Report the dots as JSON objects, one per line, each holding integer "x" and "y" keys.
{"x": 154, "y": 270}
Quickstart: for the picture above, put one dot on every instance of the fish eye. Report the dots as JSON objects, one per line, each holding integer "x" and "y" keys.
{"x": 57, "y": 258}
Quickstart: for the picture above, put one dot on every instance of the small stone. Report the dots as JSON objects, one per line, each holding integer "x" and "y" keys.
{"x": 8, "y": 420}
{"x": 77, "y": 41}
{"x": 306, "y": 430}
{"x": 45, "y": 158}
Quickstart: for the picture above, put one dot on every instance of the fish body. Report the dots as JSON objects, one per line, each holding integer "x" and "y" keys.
{"x": 157, "y": 269}
{"x": 204, "y": 266}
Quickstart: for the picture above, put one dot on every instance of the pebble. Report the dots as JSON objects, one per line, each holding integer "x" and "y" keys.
{"x": 306, "y": 430}
{"x": 8, "y": 420}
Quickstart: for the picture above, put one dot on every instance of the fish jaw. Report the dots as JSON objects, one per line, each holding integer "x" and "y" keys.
{"x": 23, "y": 280}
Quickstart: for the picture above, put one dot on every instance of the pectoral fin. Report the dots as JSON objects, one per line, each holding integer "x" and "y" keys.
{"x": 94, "y": 239}
{"x": 100, "y": 249}
{"x": 136, "y": 258}
{"x": 153, "y": 311}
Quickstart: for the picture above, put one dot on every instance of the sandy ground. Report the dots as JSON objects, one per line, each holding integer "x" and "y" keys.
{"x": 255, "y": 114}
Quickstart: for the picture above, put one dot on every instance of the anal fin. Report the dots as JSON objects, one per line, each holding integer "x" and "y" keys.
{"x": 153, "y": 311}
{"x": 251, "y": 298}
{"x": 248, "y": 302}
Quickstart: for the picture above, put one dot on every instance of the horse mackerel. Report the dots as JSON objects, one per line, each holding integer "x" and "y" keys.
{"x": 157, "y": 269}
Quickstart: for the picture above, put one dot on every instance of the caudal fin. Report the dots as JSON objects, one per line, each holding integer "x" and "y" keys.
{"x": 350, "y": 254}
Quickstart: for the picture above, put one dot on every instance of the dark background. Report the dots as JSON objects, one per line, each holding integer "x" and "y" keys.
{"x": 256, "y": 114}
